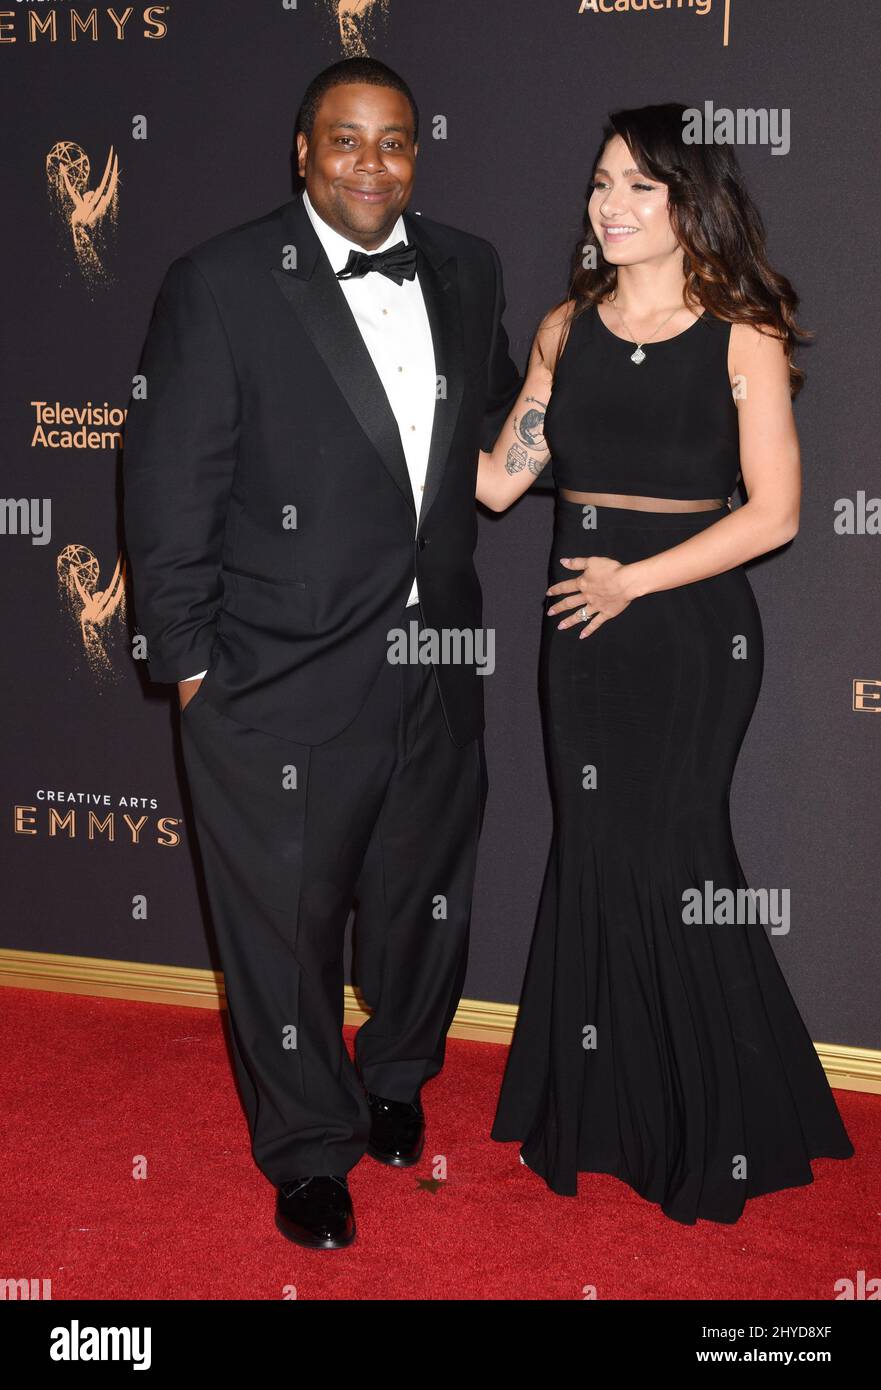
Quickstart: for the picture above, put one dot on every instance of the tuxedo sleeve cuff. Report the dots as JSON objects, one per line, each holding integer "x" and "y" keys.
{"x": 172, "y": 670}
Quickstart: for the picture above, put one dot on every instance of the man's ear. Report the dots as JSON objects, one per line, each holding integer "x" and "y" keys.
{"x": 302, "y": 151}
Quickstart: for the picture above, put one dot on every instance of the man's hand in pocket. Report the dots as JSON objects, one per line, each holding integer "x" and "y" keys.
{"x": 186, "y": 690}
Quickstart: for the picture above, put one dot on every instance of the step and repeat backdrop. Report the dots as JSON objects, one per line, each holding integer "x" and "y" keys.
{"x": 133, "y": 132}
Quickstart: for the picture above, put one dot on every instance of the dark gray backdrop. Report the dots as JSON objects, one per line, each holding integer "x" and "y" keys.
{"x": 524, "y": 86}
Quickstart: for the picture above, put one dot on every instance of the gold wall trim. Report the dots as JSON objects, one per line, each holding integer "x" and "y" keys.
{"x": 848, "y": 1068}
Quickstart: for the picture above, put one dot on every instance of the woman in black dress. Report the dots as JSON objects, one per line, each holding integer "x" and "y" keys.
{"x": 656, "y": 1038}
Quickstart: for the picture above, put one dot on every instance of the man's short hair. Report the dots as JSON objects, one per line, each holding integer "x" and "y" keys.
{"x": 349, "y": 70}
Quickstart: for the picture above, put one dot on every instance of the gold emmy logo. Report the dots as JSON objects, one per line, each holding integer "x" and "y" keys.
{"x": 867, "y": 696}
{"x": 85, "y": 212}
{"x": 356, "y": 21}
{"x": 98, "y": 613}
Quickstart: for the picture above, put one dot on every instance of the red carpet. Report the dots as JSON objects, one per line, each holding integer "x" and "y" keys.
{"x": 91, "y": 1084}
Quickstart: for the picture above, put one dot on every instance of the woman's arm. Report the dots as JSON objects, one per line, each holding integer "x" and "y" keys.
{"x": 520, "y": 452}
{"x": 771, "y": 467}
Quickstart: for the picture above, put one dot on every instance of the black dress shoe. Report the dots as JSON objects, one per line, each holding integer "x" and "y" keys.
{"x": 397, "y": 1131}
{"x": 316, "y": 1212}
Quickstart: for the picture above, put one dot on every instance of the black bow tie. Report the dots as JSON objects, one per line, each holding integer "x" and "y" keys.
{"x": 398, "y": 263}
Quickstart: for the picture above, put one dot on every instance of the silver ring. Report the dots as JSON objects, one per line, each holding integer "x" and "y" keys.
{"x": 583, "y": 613}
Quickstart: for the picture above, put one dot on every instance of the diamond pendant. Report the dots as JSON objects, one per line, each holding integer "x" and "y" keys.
{"x": 638, "y": 356}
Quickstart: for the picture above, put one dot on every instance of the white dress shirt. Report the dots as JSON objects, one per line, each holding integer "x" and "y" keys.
{"x": 393, "y": 322}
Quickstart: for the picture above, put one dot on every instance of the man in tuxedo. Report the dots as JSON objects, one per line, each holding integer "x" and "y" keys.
{"x": 300, "y": 470}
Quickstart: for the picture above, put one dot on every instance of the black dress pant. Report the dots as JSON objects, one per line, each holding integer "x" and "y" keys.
{"x": 391, "y": 809}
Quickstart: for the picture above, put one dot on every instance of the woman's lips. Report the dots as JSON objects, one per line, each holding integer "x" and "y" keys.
{"x": 617, "y": 233}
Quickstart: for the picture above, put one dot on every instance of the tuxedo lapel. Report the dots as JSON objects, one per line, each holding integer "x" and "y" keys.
{"x": 314, "y": 295}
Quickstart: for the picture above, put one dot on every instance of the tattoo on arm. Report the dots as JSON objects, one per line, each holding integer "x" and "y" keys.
{"x": 530, "y": 452}
{"x": 517, "y": 459}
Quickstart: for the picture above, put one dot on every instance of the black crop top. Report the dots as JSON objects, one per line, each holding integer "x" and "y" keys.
{"x": 664, "y": 428}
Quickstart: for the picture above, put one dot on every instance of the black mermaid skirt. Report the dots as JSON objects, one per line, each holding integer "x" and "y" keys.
{"x": 657, "y": 1039}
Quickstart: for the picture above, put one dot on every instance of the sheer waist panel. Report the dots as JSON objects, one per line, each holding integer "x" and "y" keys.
{"x": 625, "y": 501}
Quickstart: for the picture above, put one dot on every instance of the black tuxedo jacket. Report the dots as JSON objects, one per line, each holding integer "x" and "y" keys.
{"x": 270, "y": 522}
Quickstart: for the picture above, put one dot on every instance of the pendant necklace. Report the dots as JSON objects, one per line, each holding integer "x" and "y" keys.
{"x": 639, "y": 355}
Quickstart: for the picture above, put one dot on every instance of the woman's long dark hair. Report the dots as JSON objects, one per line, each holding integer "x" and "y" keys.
{"x": 718, "y": 226}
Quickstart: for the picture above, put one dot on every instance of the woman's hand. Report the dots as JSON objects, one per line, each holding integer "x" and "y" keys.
{"x": 601, "y": 588}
